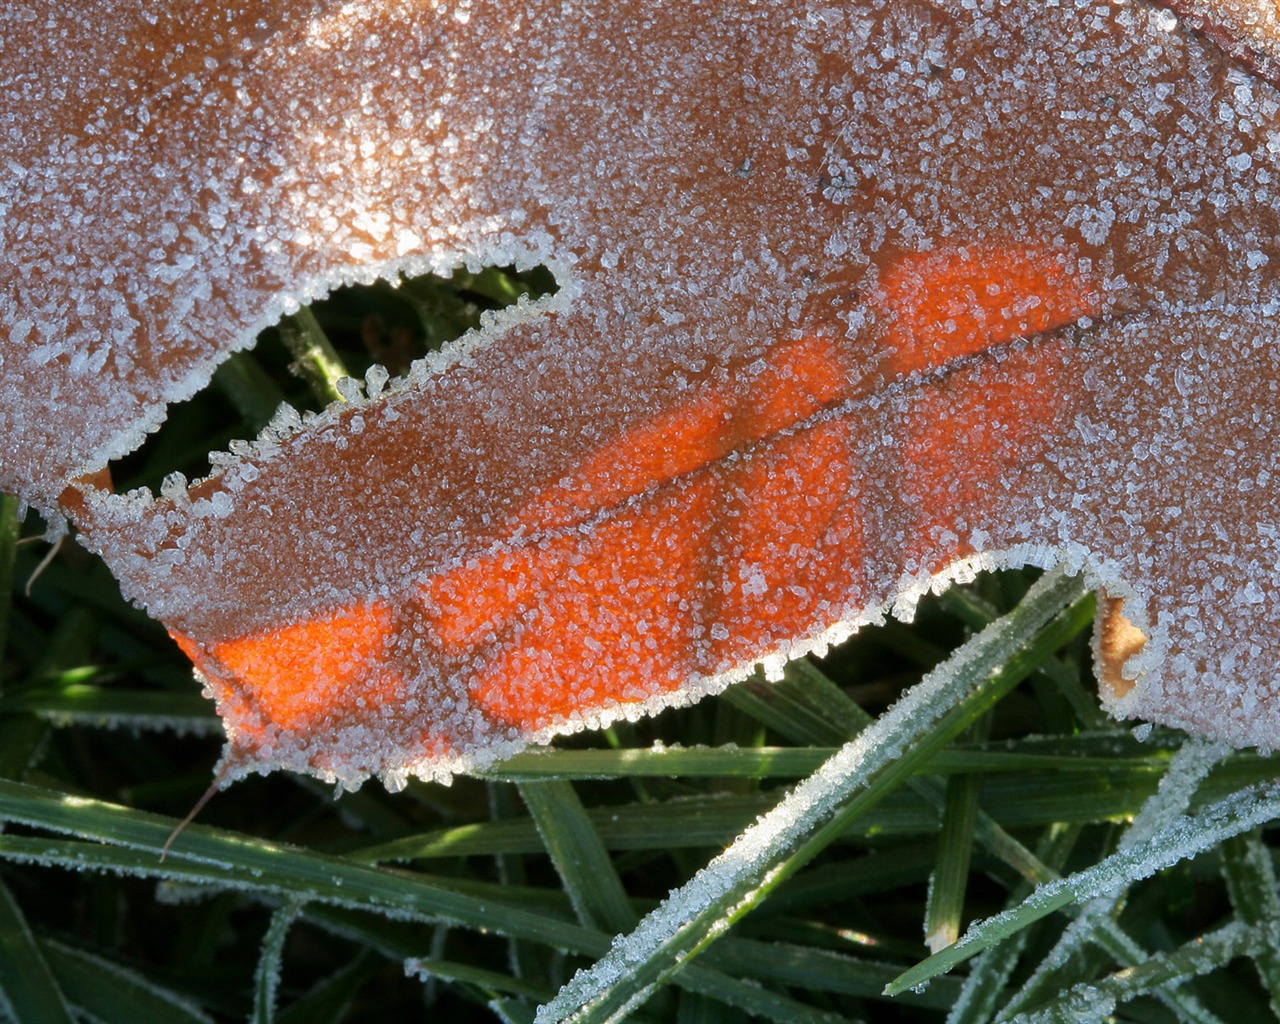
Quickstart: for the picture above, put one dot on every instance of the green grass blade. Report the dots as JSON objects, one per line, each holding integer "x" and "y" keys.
{"x": 1251, "y": 883}
{"x": 496, "y": 983}
{"x": 28, "y": 989}
{"x": 204, "y": 854}
{"x": 1011, "y": 757}
{"x": 1098, "y": 1000}
{"x": 114, "y": 707}
{"x": 752, "y": 998}
{"x": 680, "y": 823}
{"x": 315, "y": 358}
{"x": 807, "y": 969}
{"x": 1187, "y": 837}
{"x": 249, "y": 388}
{"x": 807, "y": 820}
{"x": 689, "y": 762}
{"x": 524, "y": 959}
{"x": 696, "y": 1009}
{"x": 805, "y": 706}
{"x": 111, "y": 993}
{"x": 580, "y": 857}
{"x": 945, "y": 907}
{"x": 710, "y": 821}
{"x": 266, "y": 979}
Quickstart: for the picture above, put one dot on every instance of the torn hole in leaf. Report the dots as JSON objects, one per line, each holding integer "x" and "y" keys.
{"x": 299, "y": 361}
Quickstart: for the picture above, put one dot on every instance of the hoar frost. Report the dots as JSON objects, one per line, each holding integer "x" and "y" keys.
{"x": 854, "y": 299}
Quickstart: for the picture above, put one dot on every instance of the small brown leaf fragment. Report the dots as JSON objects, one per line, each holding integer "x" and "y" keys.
{"x": 1118, "y": 640}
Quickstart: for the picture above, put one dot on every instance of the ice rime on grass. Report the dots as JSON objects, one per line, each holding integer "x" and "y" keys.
{"x": 1158, "y": 975}
{"x": 267, "y": 977}
{"x": 704, "y": 907}
{"x": 1184, "y": 837}
{"x": 1094, "y": 923}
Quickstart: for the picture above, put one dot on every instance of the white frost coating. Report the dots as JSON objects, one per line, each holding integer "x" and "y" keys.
{"x": 138, "y": 723}
{"x": 267, "y": 975}
{"x": 1181, "y": 839}
{"x": 888, "y": 293}
{"x": 1186, "y": 770}
{"x": 287, "y": 420}
{"x": 1086, "y": 1001}
{"x": 1248, "y": 27}
{"x": 743, "y": 869}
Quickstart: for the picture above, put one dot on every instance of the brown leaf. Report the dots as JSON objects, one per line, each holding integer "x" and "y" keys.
{"x": 855, "y": 299}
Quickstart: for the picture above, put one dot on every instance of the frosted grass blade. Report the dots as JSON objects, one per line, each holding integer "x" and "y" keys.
{"x": 1098, "y": 1000}
{"x": 984, "y": 988}
{"x": 228, "y": 860}
{"x": 267, "y": 977}
{"x": 809, "y": 708}
{"x": 1095, "y": 922}
{"x": 1186, "y": 837}
{"x": 1251, "y": 883}
{"x": 208, "y": 855}
{"x": 735, "y": 881}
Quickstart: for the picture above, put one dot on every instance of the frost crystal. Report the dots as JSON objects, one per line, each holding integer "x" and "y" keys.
{"x": 855, "y": 299}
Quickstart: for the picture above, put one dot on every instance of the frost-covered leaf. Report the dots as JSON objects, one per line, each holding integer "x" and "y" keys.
{"x": 854, "y": 299}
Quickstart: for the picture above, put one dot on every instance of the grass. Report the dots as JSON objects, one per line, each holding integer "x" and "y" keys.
{"x": 1121, "y": 878}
